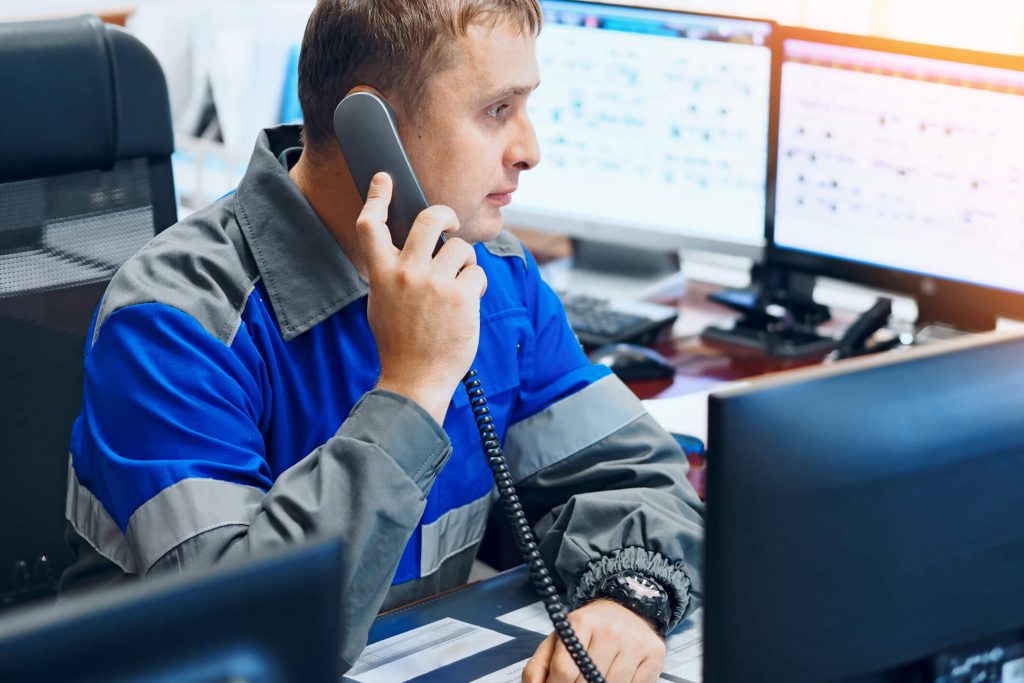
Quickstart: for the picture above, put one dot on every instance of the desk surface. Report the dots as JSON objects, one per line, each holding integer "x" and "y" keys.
{"x": 475, "y": 609}
{"x": 478, "y": 604}
{"x": 699, "y": 365}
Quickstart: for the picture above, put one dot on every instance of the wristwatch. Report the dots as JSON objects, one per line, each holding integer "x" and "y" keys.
{"x": 638, "y": 593}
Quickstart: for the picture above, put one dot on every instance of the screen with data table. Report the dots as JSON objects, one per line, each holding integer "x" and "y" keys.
{"x": 902, "y": 161}
{"x": 652, "y": 125}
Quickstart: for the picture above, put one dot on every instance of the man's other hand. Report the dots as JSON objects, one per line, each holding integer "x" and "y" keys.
{"x": 424, "y": 310}
{"x": 622, "y": 644}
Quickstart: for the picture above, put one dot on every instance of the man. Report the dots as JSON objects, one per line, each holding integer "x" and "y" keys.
{"x": 272, "y": 368}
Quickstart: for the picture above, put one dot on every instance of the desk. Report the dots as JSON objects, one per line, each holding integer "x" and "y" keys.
{"x": 477, "y": 605}
{"x": 701, "y": 365}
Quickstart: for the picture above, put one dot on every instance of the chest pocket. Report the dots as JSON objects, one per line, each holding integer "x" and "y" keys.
{"x": 505, "y": 340}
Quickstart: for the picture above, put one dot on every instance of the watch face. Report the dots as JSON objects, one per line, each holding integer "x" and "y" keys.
{"x": 644, "y": 596}
{"x": 641, "y": 588}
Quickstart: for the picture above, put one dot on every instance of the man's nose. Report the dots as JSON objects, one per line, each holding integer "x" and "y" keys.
{"x": 524, "y": 152}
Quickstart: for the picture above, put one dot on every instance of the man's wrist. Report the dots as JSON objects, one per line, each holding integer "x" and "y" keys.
{"x": 435, "y": 403}
{"x": 647, "y": 620}
{"x": 641, "y": 595}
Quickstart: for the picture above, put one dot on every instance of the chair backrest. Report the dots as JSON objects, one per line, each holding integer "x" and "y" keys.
{"x": 85, "y": 181}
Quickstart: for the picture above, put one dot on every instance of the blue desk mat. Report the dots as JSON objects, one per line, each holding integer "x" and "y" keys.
{"x": 480, "y": 604}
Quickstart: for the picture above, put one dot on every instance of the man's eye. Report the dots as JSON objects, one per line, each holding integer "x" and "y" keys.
{"x": 497, "y": 110}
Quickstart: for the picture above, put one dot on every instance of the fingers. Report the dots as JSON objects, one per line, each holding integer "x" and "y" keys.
{"x": 562, "y": 668}
{"x": 474, "y": 279}
{"x": 625, "y": 667}
{"x": 602, "y": 652}
{"x": 621, "y": 668}
{"x": 425, "y": 231}
{"x": 455, "y": 255}
{"x": 371, "y": 226}
{"x": 648, "y": 671}
{"x": 536, "y": 670}
{"x": 457, "y": 259}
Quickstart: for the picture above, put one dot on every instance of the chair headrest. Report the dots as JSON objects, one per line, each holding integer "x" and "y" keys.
{"x": 77, "y": 95}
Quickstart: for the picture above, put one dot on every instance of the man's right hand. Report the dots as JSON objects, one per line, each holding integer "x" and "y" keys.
{"x": 424, "y": 310}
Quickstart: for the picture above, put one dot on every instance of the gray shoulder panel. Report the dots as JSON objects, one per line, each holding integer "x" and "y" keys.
{"x": 200, "y": 266}
{"x": 506, "y": 245}
{"x": 453, "y": 532}
{"x": 595, "y": 412}
{"x": 185, "y": 510}
{"x": 90, "y": 520}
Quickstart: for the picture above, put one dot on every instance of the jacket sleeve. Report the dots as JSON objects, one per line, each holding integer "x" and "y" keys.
{"x": 367, "y": 485}
{"x": 169, "y": 470}
{"x": 603, "y": 483}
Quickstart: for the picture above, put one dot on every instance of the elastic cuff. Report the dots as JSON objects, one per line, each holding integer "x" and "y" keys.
{"x": 404, "y": 430}
{"x": 671, "y": 575}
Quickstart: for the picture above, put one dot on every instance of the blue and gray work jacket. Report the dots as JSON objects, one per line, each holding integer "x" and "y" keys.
{"x": 229, "y": 407}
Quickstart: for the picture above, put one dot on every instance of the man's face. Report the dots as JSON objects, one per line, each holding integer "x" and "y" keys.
{"x": 473, "y": 138}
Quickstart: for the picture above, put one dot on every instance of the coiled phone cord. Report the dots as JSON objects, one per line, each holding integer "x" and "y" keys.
{"x": 539, "y": 573}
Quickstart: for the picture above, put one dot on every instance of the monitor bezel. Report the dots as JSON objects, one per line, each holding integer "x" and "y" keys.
{"x": 645, "y": 235}
{"x": 933, "y": 292}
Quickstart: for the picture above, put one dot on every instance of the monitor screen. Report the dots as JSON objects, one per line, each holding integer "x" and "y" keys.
{"x": 268, "y": 619}
{"x": 902, "y": 161}
{"x": 652, "y": 125}
{"x": 864, "y": 523}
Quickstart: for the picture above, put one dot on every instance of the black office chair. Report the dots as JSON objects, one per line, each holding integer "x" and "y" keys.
{"x": 85, "y": 181}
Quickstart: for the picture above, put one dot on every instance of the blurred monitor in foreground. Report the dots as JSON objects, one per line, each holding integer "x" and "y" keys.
{"x": 864, "y": 520}
{"x": 272, "y": 620}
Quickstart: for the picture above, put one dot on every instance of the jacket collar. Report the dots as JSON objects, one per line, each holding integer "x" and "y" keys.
{"x": 306, "y": 274}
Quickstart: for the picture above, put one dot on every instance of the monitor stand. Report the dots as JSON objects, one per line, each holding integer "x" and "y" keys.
{"x": 779, "y": 315}
{"x": 613, "y": 271}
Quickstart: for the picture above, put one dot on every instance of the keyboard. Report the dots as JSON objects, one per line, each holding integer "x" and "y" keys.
{"x": 597, "y": 321}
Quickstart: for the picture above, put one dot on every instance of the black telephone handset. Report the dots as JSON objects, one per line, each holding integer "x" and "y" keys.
{"x": 367, "y": 133}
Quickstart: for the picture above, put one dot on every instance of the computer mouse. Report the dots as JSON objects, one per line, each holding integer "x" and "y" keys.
{"x": 630, "y": 362}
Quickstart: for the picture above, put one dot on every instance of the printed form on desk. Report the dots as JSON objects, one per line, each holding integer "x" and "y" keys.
{"x": 422, "y": 650}
{"x": 683, "y": 656}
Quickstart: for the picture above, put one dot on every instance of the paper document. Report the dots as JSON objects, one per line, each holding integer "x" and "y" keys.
{"x": 686, "y": 414}
{"x": 531, "y": 618}
{"x": 422, "y": 650}
{"x": 684, "y": 647}
{"x": 513, "y": 673}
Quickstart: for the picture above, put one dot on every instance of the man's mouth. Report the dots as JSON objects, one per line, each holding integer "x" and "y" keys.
{"x": 502, "y": 198}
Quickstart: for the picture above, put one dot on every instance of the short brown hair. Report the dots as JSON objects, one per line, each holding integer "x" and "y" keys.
{"x": 393, "y": 45}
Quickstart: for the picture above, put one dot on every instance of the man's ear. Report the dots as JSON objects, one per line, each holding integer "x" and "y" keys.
{"x": 366, "y": 88}
{"x": 395, "y": 106}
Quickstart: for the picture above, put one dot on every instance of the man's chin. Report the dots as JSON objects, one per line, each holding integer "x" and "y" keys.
{"x": 482, "y": 230}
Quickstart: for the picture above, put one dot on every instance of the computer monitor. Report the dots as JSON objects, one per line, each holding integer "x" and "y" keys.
{"x": 273, "y": 620}
{"x": 901, "y": 166}
{"x": 653, "y": 128}
{"x": 864, "y": 519}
